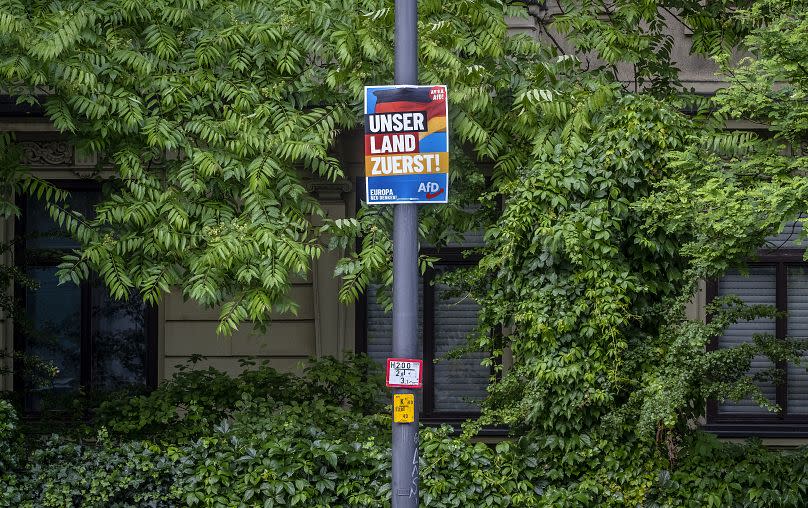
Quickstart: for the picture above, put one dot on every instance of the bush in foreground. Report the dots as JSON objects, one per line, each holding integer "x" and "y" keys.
{"x": 317, "y": 441}
{"x": 9, "y": 436}
{"x": 313, "y": 455}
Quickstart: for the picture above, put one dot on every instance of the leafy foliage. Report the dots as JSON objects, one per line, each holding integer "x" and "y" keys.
{"x": 604, "y": 189}
{"x": 9, "y": 436}
{"x": 215, "y": 116}
{"x": 728, "y": 192}
{"x": 573, "y": 273}
{"x": 304, "y": 452}
{"x": 192, "y": 401}
{"x": 720, "y": 474}
{"x": 265, "y": 439}
{"x": 735, "y": 189}
{"x": 618, "y": 191}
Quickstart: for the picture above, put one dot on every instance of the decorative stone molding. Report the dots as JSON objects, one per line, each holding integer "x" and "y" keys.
{"x": 46, "y": 153}
{"x": 54, "y": 154}
{"x": 328, "y": 191}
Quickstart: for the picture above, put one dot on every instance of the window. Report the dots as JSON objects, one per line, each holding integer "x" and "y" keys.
{"x": 778, "y": 278}
{"x": 454, "y": 387}
{"x": 97, "y": 343}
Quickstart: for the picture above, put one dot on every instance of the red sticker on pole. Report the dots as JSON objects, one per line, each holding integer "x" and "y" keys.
{"x": 404, "y": 373}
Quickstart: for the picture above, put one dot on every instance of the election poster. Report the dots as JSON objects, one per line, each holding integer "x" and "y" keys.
{"x": 406, "y": 144}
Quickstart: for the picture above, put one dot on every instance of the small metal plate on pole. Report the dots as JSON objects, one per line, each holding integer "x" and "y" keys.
{"x": 403, "y": 408}
{"x": 404, "y": 373}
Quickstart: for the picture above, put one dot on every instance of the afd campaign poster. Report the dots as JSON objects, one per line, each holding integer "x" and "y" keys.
{"x": 406, "y": 144}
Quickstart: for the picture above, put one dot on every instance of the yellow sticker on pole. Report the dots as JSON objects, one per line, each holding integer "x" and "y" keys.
{"x": 403, "y": 407}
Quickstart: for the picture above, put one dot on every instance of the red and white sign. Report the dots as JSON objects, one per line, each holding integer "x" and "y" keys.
{"x": 404, "y": 373}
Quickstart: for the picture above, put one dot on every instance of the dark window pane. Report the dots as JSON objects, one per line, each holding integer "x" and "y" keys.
{"x": 54, "y": 313}
{"x": 119, "y": 340}
{"x": 117, "y": 330}
{"x": 43, "y": 233}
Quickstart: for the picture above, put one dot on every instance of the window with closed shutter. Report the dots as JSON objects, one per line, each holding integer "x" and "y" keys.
{"x": 778, "y": 277}
{"x": 797, "y": 324}
{"x": 459, "y": 382}
{"x": 757, "y": 288}
{"x": 453, "y": 387}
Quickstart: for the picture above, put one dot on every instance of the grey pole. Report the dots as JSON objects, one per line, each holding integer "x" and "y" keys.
{"x": 405, "y": 275}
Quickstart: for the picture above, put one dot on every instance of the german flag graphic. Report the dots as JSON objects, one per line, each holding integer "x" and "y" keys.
{"x": 431, "y": 101}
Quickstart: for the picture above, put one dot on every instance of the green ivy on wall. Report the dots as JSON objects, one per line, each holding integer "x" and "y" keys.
{"x": 605, "y": 190}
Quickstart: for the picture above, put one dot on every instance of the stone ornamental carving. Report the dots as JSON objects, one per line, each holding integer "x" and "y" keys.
{"x": 46, "y": 153}
{"x": 323, "y": 189}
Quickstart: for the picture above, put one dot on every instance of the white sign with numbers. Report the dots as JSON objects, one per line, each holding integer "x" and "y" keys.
{"x": 404, "y": 373}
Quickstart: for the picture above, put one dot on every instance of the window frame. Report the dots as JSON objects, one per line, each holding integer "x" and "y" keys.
{"x": 86, "y": 345}
{"x": 451, "y": 257}
{"x": 762, "y": 425}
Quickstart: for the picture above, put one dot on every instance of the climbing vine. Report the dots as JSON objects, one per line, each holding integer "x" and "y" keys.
{"x": 606, "y": 190}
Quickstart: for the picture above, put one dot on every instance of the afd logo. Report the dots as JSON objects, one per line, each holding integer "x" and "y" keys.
{"x": 432, "y": 189}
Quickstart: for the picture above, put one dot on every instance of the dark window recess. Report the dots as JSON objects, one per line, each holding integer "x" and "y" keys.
{"x": 779, "y": 278}
{"x": 97, "y": 343}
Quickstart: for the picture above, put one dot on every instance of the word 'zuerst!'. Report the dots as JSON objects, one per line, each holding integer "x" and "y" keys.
{"x": 405, "y": 164}
{"x": 397, "y": 122}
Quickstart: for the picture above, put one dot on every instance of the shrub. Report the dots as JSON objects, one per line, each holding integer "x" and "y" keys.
{"x": 297, "y": 455}
{"x": 740, "y": 475}
{"x": 261, "y": 439}
{"x": 9, "y": 436}
{"x": 192, "y": 401}
{"x": 316, "y": 441}
{"x": 63, "y": 473}
{"x": 313, "y": 455}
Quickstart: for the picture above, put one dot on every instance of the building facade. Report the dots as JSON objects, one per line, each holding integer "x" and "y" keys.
{"x": 100, "y": 343}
